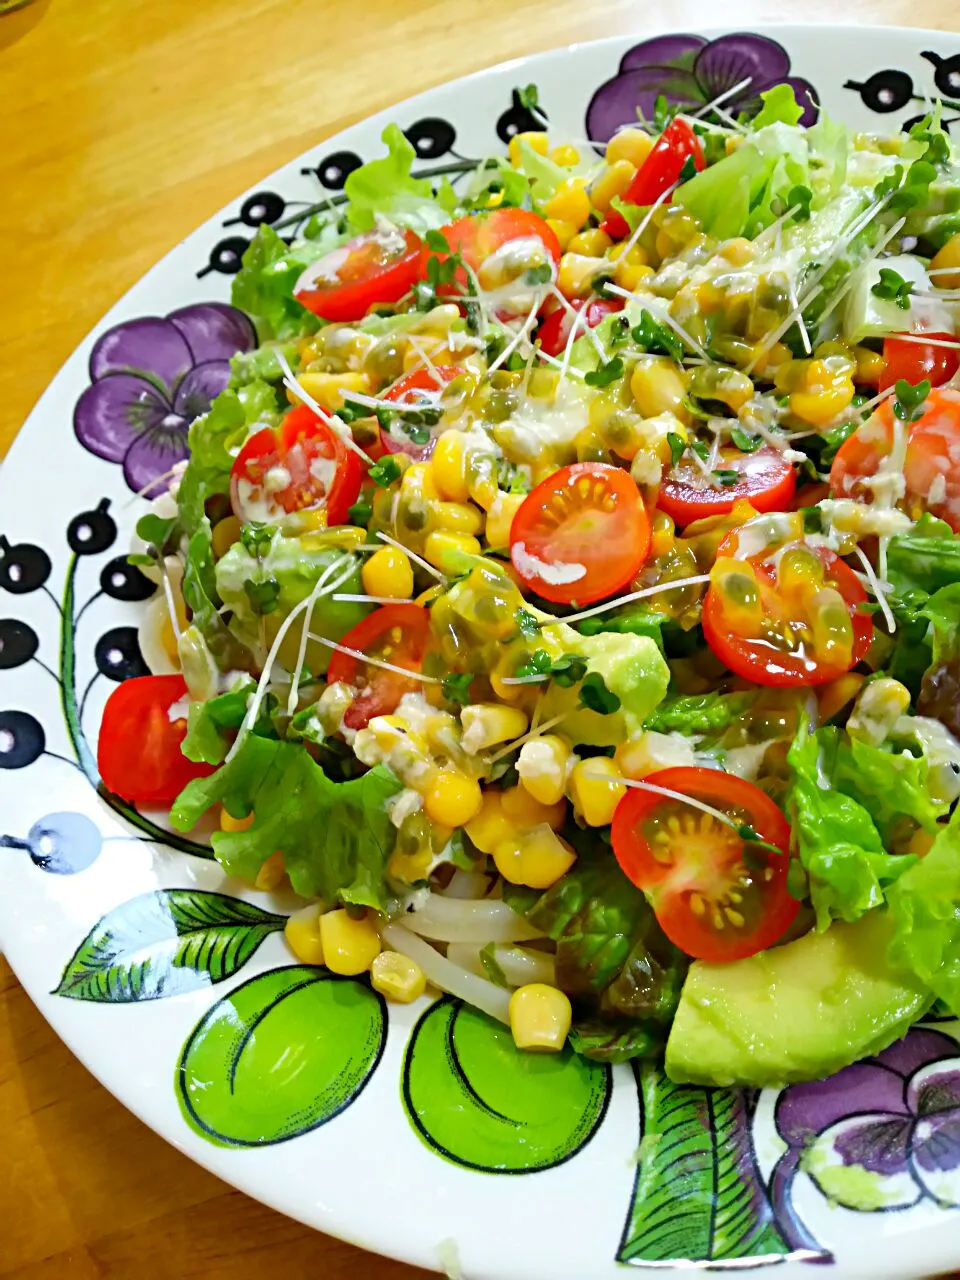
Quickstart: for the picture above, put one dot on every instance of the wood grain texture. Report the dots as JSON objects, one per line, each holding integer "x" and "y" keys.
{"x": 122, "y": 126}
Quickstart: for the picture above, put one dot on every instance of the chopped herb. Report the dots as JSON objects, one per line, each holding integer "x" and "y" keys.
{"x": 456, "y": 687}
{"x": 700, "y": 448}
{"x": 688, "y": 170}
{"x": 384, "y": 472}
{"x": 677, "y": 445}
{"x": 725, "y": 476}
{"x": 799, "y": 200}
{"x": 892, "y": 287}
{"x": 526, "y": 623}
{"x": 606, "y": 374}
{"x": 257, "y": 538}
{"x": 360, "y": 514}
{"x": 652, "y": 336}
{"x": 744, "y": 441}
{"x": 515, "y": 362}
{"x": 908, "y": 402}
{"x": 540, "y": 274}
{"x": 350, "y": 411}
{"x": 263, "y": 595}
{"x": 529, "y": 97}
{"x": 595, "y": 696}
{"x": 812, "y": 519}
{"x": 663, "y": 112}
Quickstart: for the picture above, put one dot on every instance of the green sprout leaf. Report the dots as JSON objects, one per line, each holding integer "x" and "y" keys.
{"x": 892, "y": 287}
{"x": 595, "y": 696}
{"x": 606, "y": 374}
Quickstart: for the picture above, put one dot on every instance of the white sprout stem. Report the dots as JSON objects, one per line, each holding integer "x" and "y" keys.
{"x": 177, "y": 469}
{"x": 169, "y": 598}
{"x": 842, "y": 292}
{"x": 772, "y": 339}
{"x": 521, "y": 334}
{"x": 424, "y": 356}
{"x": 882, "y": 395}
{"x": 635, "y": 595}
{"x": 360, "y": 656}
{"x": 527, "y": 737}
{"x": 645, "y": 220}
{"x": 424, "y": 564}
{"x": 877, "y": 590}
{"x": 447, "y": 976}
{"x": 377, "y": 402}
{"x": 668, "y": 794}
{"x": 795, "y": 304}
{"x": 590, "y": 332}
{"x": 928, "y": 342}
{"x": 579, "y": 322}
{"x": 341, "y": 428}
{"x": 343, "y": 597}
{"x": 558, "y": 364}
{"x": 769, "y": 233}
{"x": 722, "y": 97}
{"x": 666, "y": 318}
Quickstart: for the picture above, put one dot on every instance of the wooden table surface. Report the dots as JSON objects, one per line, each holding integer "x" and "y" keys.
{"x": 123, "y": 125}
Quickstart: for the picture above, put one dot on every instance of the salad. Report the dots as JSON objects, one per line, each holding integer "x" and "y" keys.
{"x": 565, "y": 595}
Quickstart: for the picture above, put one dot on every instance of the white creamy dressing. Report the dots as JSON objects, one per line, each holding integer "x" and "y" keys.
{"x": 556, "y": 574}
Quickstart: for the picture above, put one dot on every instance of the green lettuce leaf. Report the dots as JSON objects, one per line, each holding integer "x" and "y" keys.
{"x": 616, "y": 1039}
{"x": 336, "y": 837}
{"x": 889, "y": 784}
{"x": 385, "y": 187}
{"x": 779, "y": 106}
{"x": 925, "y": 559}
{"x": 212, "y": 724}
{"x": 701, "y": 713}
{"x": 263, "y": 287}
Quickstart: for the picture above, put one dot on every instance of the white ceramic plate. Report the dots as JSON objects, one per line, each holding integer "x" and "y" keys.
{"x": 416, "y": 1131}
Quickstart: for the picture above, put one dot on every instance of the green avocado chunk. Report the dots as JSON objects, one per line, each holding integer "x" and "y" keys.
{"x": 797, "y": 1012}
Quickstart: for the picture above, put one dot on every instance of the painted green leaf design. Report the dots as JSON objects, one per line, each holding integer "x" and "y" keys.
{"x": 282, "y": 1054}
{"x": 698, "y": 1195}
{"x": 163, "y": 944}
{"x": 477, "y": 1100}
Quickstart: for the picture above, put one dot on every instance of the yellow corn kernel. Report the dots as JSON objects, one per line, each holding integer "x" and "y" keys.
{"x": 738, "y": 252}
{"x": 418, "y": 482}
{"x": 230, "y": 823}
{"x": 302, "y": 932}
{"x": 628, "y": 275}
{"x": 833, "y": 697}
{"x": 613, "y": 181}
{"x": 452, "y": 798}
{"x": 536, "y": 858}
{"x": 662, "y": 534}
{"x": 540, "y": 1017}
{"x": 271, "y": 874}
{"x": 446, "y": 466}
{"x": 500, "y": 518}
{"x": 569, "y": 203}
{"x": 650, "y": 751}
{"x": 596, "y": 789}
{"x": 490, "y": 826}
{"x": 225, "y": 533}
{"x": 578, "y": 271}
{"x": 542, "y": 766}
{"x": 658, "y": 388}
{"x": 457, "y": 517}
{"x": 620, "y": 253}
{"x": 410, "y": 868}
{"x": 330, "y": 389}
{"x": 629, "y": 144}
{"x": 397, "y": 977}
{"x": 536, "y": 139}
{"x": 563, "y": 230}
{"x": 350, "y": 945}
{"x": 565, "y": 155}
{"x": 524, "y": 811}
{"x": 945, "y": 265}
{"x": 440, "y": 545}
{"x": 824, "y": 405}
{"x": 486, "y": 724}
{"x": 870, "y": 366}
{"x": 388, "y": 572}
{"x": 591, "y": 243}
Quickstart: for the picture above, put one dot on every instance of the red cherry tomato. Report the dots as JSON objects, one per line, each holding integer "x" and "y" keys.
{"x": 554, "y": 333}
{"x": 767, "y": 480}
{"x": 138, "y": 753}
{"x": 786, "y": 636}
{"x": 660, "y": 170}
{"x": 581, "y": 534}
{"x": 481, "y": 235}
{"x": 931, "y": 468}
{"x": 399, "y": 634}
{"x": 913, "y": 361}
{"x": 372, "y": 268}
{"x": 301, "y": 465}
{"x": 420, "y": 388}
{"x": 713, "y": 899}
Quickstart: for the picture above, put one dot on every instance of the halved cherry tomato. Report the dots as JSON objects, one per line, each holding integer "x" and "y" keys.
{"x": 375, "y": 267}
{"x": 660, "y": 170}
{"x": 767, "y": 480}
{"x": 554, "y": 333}
{"x": 399, "y": 634}
{"x": 581, "y": 534}
{"x": 480, "y": 236}
{"x": 421, "y": 388}
{"x": 913, "y": 361}
{"x": 301, "y": 465}
{"x": 138, "y": 752}
{"x": 716, "y": 896}
{"x": 792, "y": 617}
{"x": 931, "y": 468}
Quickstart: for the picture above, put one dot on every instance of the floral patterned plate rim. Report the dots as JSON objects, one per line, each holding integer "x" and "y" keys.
{"x": 419, "y": 1131}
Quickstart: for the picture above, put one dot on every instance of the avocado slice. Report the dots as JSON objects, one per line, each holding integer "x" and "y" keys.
{"x": 797, "y": 1012}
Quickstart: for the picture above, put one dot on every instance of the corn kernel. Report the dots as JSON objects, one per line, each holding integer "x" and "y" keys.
{"x": 578, "y": 271}
{"x": 271, "y": 874}
{"x": 738, "y": 252}
{"x": 563, "y": 230}
{"x": 662, "y": 534}
{"x": 833, "y": 697}
{"x": 821, "y": 407}
{"x": 620, "y": 253}
{"x": 879, "y": 706}
{"x": 565, "y": 155}
{"x": 457, "y": 517}
{"x": 525, "y": 811}
{"x": 596, "y": 790}
{"x": 486, "y": 724}
{"x": 441, "y": 548}
{"x": 302, "y": 932}
{"x": 652, "y": 751}
{"x": 536, "y": 858}
{"x": 350, "y": 945}
{"x": 870, "y": 366}
{"x": 945, "y": 265}
{"x": 397, "y": 977}
{"x": 225, "y": 533}
{"x": 388, "y": 573}
{"x": 629, "y": 144}
{"x": 330, "y": 389}
{"x": 229, "y": 823}
{"x": 569, "y": 203}
{"x": 591, "y": 243}
{"x": 500, "y": 518}
{"x": 613, "y": 181}
{"x": 452, "y": 798}
{"x": 658, "y": 388}
{"x": 447, "y": 466}
{"x": 490, "y": 826}
{"x": 629, "y": 275}
{"x": 536, "y": 139}
{"x": 418, "y": 481}
{"x": 542, "y": 766}
{"x": 540, "y": 1017}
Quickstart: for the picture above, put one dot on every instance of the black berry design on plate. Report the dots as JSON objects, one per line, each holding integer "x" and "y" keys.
{"x": 121, "y": 580}
{"x": 946, "y": 75}
{"x": 22, "y": 739}
{"x": 519, "y": 119}
{"x": 117, "y": 655}
{"x": 63, "y": 843}
{"x": 18, "y": 643}
{"x": 226, "y": 255}
{"x": 23, "y": 567}
{"x": 431, "y": 138}
{"x": 884, "y": 90}
{"x": 92, "y": 532}
{"x": 333, "y": 170}
{"x": 262, "y": 206}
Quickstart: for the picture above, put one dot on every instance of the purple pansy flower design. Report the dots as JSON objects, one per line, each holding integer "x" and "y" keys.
{"x": 150, "y": 378}
{"x": 882, "y": 1134}
{"x": 690, "y": 71}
